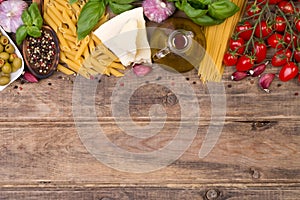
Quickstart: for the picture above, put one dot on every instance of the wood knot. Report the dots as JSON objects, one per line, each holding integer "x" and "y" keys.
{"x": 254, "y": 173}
{"x": 212, "y": 194}
{"x": 171, "y": 99}
{"x": 262, "y": 125}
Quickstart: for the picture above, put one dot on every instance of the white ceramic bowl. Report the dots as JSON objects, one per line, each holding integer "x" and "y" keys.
{"x": 15, "y": 75}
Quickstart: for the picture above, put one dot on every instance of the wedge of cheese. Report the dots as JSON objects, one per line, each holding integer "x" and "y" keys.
{"x": 126, "y": 36}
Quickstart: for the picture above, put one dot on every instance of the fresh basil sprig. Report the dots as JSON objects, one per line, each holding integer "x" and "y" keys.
{"x": 32, "y": 23}
{"x": 94, "y": 9}
{"x": 207, "y": 12}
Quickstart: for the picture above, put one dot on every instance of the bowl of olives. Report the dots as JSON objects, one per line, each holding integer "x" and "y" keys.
{"x": 11, "y": 60}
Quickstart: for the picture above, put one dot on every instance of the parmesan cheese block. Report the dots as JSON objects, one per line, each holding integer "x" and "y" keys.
{"x": 126, "y": 36}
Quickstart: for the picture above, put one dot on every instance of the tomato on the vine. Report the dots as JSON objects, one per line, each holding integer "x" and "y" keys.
{"x": 237, "y": 45}
{"x": 230, "y": 58}
{"x": 263, "y": 29}
{"x": 244, "y": 63}
{"x": 260, "y": 51}
{"x": 297, "y": 24}
{"x": 288, "y": 72}
{"x": 244, "y": 30}
{"x": 281, "y": 57}
{"x": 253, "y": 9}
{"x": 286, "y": 7}
{"x": 276, "y": 40}
{"x": 280, "y": 24}
{"x": 297, "y": 55}
{"x": 290, "y": 39}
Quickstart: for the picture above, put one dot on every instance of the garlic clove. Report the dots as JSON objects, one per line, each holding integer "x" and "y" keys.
{"x": 141, "y": 70}
{"x": 30, "y": 77}
{"x": 238, "y": 75}
{"x": 265, "y": 81}
{"x": 257, "y": 71}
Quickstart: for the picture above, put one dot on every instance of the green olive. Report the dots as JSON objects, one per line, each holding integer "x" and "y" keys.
{"x": 4, "y": 74}
{"x": 6, "y": 68}
{"x": 12, "y": 57}
{"x": 4, "y": 80}
{"x": 4, "y": 55}
{"x": 1, "y": 48}
{"x": 9, "y": 48}
{"x": 2, "y": 62}
{"x": 4, "y": 40}
{"x": 16, "y": 64}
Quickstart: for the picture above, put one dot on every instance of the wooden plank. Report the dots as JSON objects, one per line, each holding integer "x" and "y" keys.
{"x": 126, "y": 193}
{"x": 245, "y": 152}
{"x": 244, "y": 101}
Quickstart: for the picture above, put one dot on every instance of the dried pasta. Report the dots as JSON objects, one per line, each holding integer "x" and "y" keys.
{"x": 211, "y": 67}
{"x": 87, "y": 57}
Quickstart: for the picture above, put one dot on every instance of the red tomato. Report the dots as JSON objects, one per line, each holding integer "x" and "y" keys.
{"x": 237, "y": 45}
{"x": 281, "y": 57}
{"x": 297, "y": 55}
{"x": 288, "y": 72}
{"x": 276, "y": 40}
{"x": 260, "y": 51}
{"x": 230, "y": 59}
{"x": 253, "y": 9}
{"x": 297, "y": 24}
{"x": 280, "y": 24}
{"x": 290, "y": 39}
{"x": 262, "y": 29}
{"x": 244, "y": 63}
{"x": 244, "y": 30}
{"x": 286, "y": 7}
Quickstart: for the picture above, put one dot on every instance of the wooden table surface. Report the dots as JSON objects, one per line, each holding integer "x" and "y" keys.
{"x": 43, "y": 154}
{"x": 257, "y": 155}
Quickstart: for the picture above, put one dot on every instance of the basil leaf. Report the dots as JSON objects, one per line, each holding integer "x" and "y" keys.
{"x": 33, "y": 31}
{"x": 26, "y": 18}
{"x": 89, "y": 17}
{"x": 222, "y": 9}
{"x": 21, "y": 34}
{"x": 122, "y": 1}
{"x": 119, "y": 8}
{"x": 190, "y": 11}
{"x": 35, "y": 14}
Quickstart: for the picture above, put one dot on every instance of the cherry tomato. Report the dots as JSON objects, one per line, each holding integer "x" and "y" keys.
{"x": 288, "y": 72}
{"x": 253, "y": 9}
{"x": 230, "y": 59}
{"x": 262, "y": 29}
{"x": 297, "y": 55}
{"x": 290, "y": 40}
{"x": 244, "y": 63}
{"x": 260, "y": 51}
{"x": 237, "y": 45}
{"x": 275, "y": 40}
{"x": 286, "y": 7}
{"x": 281, "y": 57}
{"x": 280, "y": 24}
{"x": 244, "y": 30}
{"x": 297, "y": 24}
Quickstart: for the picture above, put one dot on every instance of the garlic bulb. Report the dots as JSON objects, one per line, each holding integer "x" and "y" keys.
{"x": 158, "y": 10}
{"x": 10, "y": 14}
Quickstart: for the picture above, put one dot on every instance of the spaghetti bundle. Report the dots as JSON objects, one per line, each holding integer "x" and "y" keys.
{"x": 211, "y": 67}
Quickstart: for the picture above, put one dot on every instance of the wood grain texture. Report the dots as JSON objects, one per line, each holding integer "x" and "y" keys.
{"x": 257, "y": 155}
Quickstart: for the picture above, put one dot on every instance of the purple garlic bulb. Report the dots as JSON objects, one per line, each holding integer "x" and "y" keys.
{"x": 158, "y": 10}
